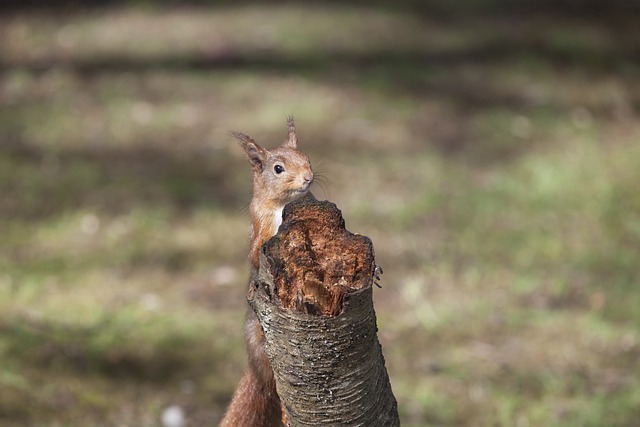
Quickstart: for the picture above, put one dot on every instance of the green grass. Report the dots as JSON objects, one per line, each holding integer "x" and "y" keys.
{"x": 493, "y": 162}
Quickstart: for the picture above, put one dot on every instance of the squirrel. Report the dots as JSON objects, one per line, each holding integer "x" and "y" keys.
{"x": 280, "y": 176}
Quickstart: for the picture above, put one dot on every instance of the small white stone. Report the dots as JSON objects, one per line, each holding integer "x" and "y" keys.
{"x": 172, "y": 416}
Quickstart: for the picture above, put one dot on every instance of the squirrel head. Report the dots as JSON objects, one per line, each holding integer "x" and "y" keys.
{"x": 280, "y": 175}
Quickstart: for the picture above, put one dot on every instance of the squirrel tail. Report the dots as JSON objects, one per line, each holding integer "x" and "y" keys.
{"x": 255, "y": 403}
{"x": 252, "y": 406}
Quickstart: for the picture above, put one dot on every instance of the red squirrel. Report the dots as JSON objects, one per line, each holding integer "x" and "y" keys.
{"x": 280, "y": 176}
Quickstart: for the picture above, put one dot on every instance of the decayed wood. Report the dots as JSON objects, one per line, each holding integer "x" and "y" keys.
{"x": 313, "y": 298}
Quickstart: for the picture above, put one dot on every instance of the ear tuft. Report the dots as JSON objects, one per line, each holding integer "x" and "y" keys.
{"x": 256, "y": 155}
{"x": 292, "y": 140}
{"x": 242, "y": 138}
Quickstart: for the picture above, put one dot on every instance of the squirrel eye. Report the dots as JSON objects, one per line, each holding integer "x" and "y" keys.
{"x": 278, "y": 169}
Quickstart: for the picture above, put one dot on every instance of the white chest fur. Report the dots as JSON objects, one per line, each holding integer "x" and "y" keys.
{"x": 277, "y": 220}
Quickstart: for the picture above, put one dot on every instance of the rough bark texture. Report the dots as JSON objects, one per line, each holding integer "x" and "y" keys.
{"x": 313, "y": 298}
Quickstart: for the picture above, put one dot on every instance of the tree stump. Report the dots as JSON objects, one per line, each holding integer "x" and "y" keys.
{"x": 313, "y": 298}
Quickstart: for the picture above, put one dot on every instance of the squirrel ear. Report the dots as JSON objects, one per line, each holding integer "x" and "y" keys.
{"x": 256, "y": 155}
{"x": 292, "y": 141}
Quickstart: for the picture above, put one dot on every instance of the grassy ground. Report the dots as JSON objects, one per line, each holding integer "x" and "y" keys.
{"x": 492, "y": 158}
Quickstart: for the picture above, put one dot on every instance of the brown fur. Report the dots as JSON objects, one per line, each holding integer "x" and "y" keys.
{"x": 255, "y": 402}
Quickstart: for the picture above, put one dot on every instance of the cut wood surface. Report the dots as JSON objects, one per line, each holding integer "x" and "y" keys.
{"x": 313, "y": 297}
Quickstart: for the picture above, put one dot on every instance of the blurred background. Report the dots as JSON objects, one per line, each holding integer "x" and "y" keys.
{"x": 490, "y": 148}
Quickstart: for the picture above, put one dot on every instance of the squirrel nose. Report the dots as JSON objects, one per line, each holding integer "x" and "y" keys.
{"x": 308, "y": 178}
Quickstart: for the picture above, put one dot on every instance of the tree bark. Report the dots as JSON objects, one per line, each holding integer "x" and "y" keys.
{"x": 313, "y": 298}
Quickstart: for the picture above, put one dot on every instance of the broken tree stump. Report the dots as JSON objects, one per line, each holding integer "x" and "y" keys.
{"x": 313, "y": 298}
